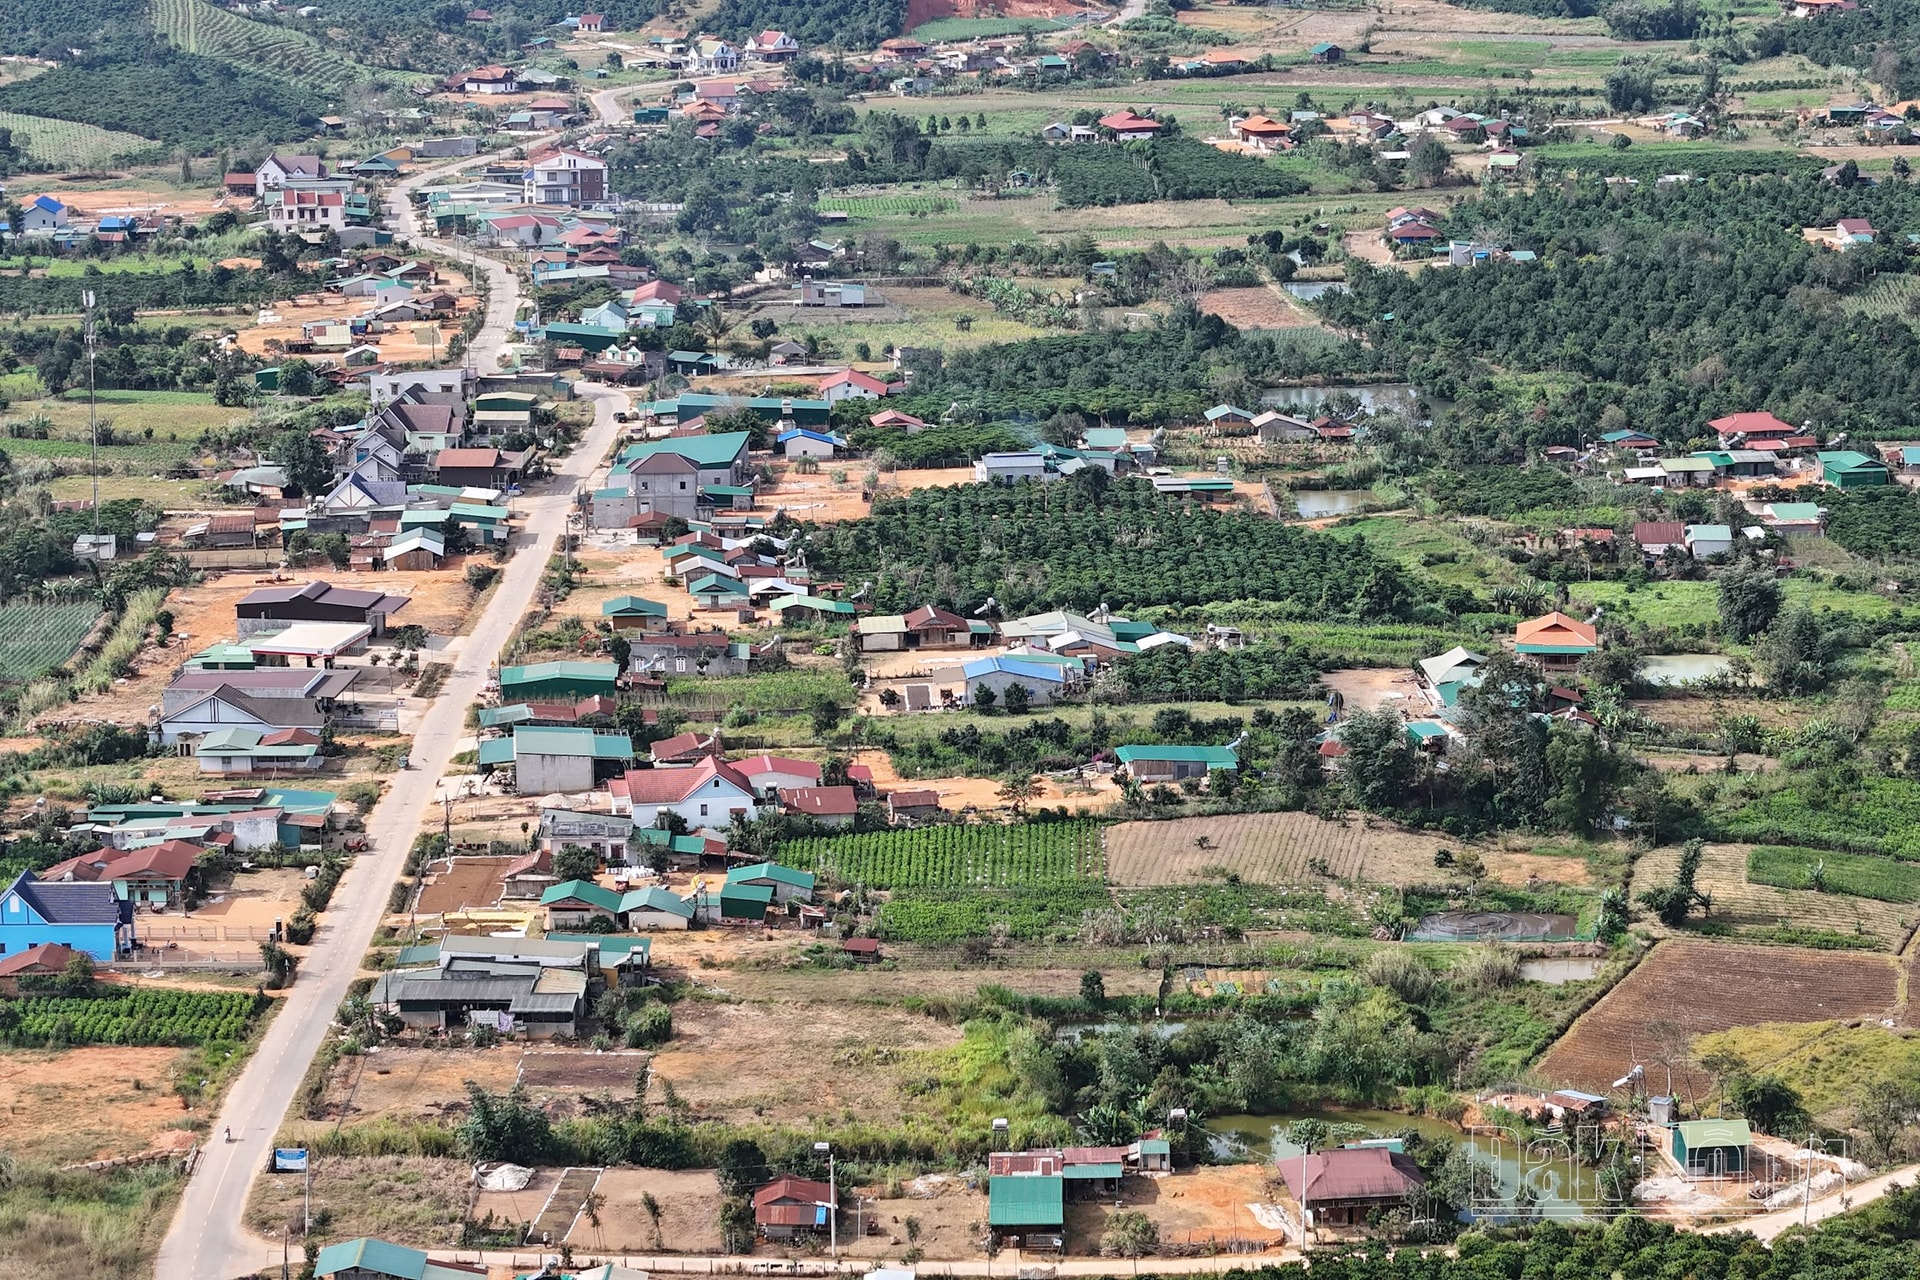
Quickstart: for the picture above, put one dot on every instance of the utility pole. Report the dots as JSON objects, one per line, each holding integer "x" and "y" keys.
{"x": 833, "y": 1199}
{"x": 93, "y": 420}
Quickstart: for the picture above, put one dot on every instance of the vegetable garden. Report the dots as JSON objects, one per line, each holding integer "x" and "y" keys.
{"x": 889, "y": 206}
{"x": 35, "y": 637}
{"x": 973, "y": 855}
{"x": 130, "y": 1016}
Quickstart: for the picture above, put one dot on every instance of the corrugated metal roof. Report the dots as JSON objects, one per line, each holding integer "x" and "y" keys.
{"x": 1031, "y": 1201}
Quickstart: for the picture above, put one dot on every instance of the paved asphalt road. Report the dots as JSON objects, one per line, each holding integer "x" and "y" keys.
{"x": 208, "y": 1240}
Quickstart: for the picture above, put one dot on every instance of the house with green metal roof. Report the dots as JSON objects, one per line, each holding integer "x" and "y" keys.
{"x": 370, "y": 1259}
{"x": 744, "y": 902}
{"x": 551, "y": 759}
{"x": 1026, "y": 1204}
{"x": 705, "y": 452}
{"x": 623, "y": 958}
{"x": 1850, "y": 469}
{"x": 245, "y": 749}
{"x": 629, "y": 613}
{"x": 784, "y": 881}
{"x": 591, "y": 337}
{"x": 716, "y": 592}
{"x": 1712, "y": 1148}
{"x": 1146, "y": 763}
{"x": 553, "y": 681}
{"x": 575, "y": 904}
{"x": 811, "y": 608}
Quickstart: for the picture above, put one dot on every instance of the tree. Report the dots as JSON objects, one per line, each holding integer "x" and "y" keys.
{"x": 1769, "y": 1103}
{"x": 984, "y": 697}
{"x": 77, "y": 978}
{"x": 1750, "y": 599}
{"x": 826, "y": 715}
{"x": 1378, "y": 766}
{"x": 742, "y": 1166}
{"x": 1093, "y": 989}
{"x": 1585, "y": 775}
{"x": 304, "y": 460}
{"x": 1019, "y": 697}
{"x": 504, "y": 1127}
{"x": 297, "y": 379}
{"x": 1019, "y": 789}
{"x": 1428, "y": 162}
{"x": 575, "y": 862}
{"x": 1673, "y": 903}
{"x": 1795, "y": 655}
{"x": 1130, "y": 1233}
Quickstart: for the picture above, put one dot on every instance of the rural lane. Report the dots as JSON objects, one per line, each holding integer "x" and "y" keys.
{"x": 208, "y": 1239}
{"x": 1767, "y": 1226}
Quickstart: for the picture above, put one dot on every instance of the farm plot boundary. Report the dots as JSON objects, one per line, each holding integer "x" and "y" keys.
{"x": 1265, "y": 848}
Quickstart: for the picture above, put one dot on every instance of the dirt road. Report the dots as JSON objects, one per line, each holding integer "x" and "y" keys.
{"x": 207, "y": 1240}
{"x": 1767, "y": 1226}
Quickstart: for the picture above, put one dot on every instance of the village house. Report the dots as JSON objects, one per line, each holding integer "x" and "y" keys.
{"x": 270, "y": 607}
{"x": 768, "y": 775}
{"x": 851, "y": 384}
{"x": 772, "y": 46}
{"x": 244, "y": 749}
{"x": 710, "y": 794}
{"x": 1342, "y": 1186}
{"x": 606, "y": 834}
{"x": 1656, "y": 537}
{"x": 1129, "y": 127}
{"x": 904, "y": 808}
{"x": 89, "y": 917}
{"x": 828, "y": 806}
{"x": 543, "y": 681}
{"x": 1555, "y": 642}
{"x": 790, "y": 1207}
{"x": 1711, "y": 1148}
{"x": 1148, "y": 764}
{"x": 785, "y": 883}
{"x": 547, "y": 760}
{"x": 157, "y": 876}
{"x": 370, "y": 1259}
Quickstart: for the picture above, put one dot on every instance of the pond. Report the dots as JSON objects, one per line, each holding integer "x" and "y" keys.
{"x": 1555, "y": 970}
{"x": 1371, "y": 395}
{"x": 1564, "y": 1190}
{"x": 1480, "y": 926}
{"x": 1318, "y": 504}
{"x": 1308, "y": 290}
{"x": 1682, "y": 668}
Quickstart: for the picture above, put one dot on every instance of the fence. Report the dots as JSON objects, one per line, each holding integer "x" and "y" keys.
{"x": 236, "y": 558}
{"x": 204, "y": 932}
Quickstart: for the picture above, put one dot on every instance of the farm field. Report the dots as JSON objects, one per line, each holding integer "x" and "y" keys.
{"x": 132, "y": 1016}
{"x": 1830, "y": 1063}
{"x": 1853, "y": 875}
{"x": 1746, "y": 907}
{"x": 454, "y": 883}
{"x": 199, "y": 27}
{"x": 68, "y": 144}
{"x": 35, "y": 637}
{"x": 1266, "y": 848}
{"x": 1685, "y": 989}
{"x": 978, "y": 855}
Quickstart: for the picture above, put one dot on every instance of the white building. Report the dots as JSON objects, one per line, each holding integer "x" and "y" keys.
{"x": 710, "y": 794}
{"x": 566, "y": 177}
{"x": 388, "y": 387}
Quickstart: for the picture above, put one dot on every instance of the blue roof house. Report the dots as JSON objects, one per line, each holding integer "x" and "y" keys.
{"x": 88, "y": 917}
{"x": 1043, "y": 682}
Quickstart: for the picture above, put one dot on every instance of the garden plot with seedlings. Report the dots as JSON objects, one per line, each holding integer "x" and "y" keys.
{"x": 1685, "y": 989}
{"x": 1749, "y": 908}
{"x": 792, "y": 1063}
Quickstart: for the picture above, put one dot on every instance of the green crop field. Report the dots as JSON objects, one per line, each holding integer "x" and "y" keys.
{"x": 140, "y": 1016}
{"x": 985, "y": 28}
{"x": 951, "y": 915}
{"x": 69, "y": 144}
{"x": 1840, "y": 873}
{"x": 890, "y": 206}
{"x": 36, "y": 637}
{"x": 198, "y": 27}
{"x": 974, "y": 855}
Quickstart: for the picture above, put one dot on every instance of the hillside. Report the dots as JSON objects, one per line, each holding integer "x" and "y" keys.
{"x": 195, "y": 26}
{"x": 848, "y": 24}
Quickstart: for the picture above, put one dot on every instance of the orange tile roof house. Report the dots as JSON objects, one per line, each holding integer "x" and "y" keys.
{"x": 1556, "y": 641}
{"x": 1128, "y": 127}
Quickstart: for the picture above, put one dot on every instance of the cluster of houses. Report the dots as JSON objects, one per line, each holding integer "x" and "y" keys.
{"x": 432, "y": 455}
{"x": 51, "y": 222}
{"x": 148, "y": 856}
{"x": 1757, "y": 446}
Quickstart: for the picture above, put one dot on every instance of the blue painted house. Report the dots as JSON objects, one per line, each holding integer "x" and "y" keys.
{"x": 86, "y": 917}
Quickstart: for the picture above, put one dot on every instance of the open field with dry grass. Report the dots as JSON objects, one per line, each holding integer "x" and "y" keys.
{"x": 414, "y": 1084}
{"x": 1685, "y": 989}
{"x": 1259, "y": 307}
{"x": 1267, "y": 848}
{"x": 1745, "y": 906}
{"x": 90, "y": 1103}
{"x": 688, "y": 1222}
{"x": 407, "y": 1199}
{"x": 795, "y": 1062}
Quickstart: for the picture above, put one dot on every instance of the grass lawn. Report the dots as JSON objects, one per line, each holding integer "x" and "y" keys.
{"x": 1679, "y": 604}
{"x": 168, "y": 495}
{"x": 129, "y": 264}
{"x": 175, "y": 416}
{"x": 154, "y": 456}
{"x": 1862, "y": 876}
{"x": 1413, "y": 540}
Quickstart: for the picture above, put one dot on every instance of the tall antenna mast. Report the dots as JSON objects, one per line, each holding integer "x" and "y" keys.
{"x": 93, "y": 421}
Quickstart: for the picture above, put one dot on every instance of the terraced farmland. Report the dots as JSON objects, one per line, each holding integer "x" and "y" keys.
{"x": 69, "y": 144}
{"x": 198, "y": 27}
{"x": 1265, "y": 848}
{"x": 1754, "y": 909}
{"x": 1686, "y": 989}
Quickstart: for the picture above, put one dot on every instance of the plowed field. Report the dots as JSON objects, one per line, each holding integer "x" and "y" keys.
{"x": 1687, "y": 988}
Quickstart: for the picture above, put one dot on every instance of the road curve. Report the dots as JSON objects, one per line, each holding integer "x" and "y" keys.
{"x": 208, "y": 1239}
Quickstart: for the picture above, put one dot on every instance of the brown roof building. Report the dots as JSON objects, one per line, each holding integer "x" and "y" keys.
{"x": 1340, "y": 1186}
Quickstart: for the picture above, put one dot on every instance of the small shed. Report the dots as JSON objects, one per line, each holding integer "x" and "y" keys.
{"x": 1712, "y": 1148}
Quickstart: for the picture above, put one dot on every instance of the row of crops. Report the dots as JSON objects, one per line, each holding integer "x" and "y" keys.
{"x": 198, "y": 27}
{"x": 969, "y": 856}
{"x": 69, "y": 143}
{"x": 138, "y": 1016}
{"x": 935, "y": 916}
{"x": 889, "y": 206}
{"x": 37, "y": 637}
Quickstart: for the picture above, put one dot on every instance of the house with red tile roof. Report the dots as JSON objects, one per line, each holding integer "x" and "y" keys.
{"x": 710, "y": 794}
{"x": 1129, "y": 127}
